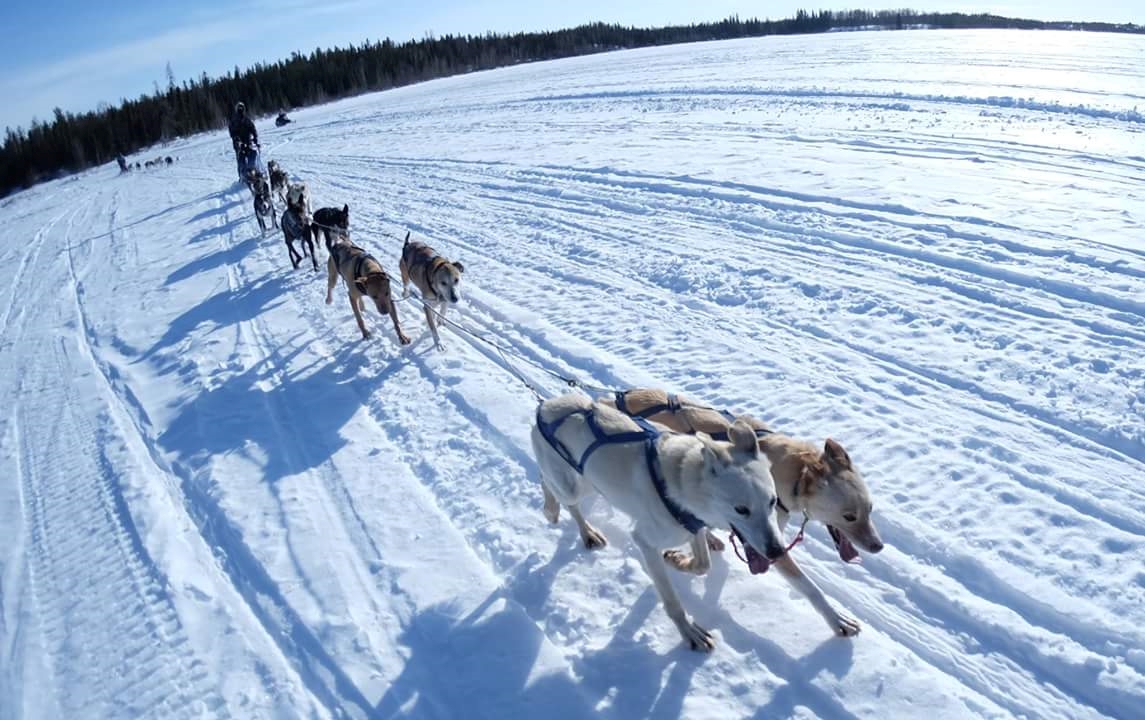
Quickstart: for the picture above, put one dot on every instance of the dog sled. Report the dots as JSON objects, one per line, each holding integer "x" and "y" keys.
{"x": 248, "y": 161}
{"x": 282, "y": 119}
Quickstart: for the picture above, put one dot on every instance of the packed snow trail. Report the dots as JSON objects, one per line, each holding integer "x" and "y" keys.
{"x": 219, "y": 501}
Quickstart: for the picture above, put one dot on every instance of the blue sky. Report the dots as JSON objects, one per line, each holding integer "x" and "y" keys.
{"x": 76, "y": 54}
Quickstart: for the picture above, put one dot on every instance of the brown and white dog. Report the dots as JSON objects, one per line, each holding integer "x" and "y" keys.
{"x": 823, "y": 485}
{"x": 364, "y": 277}
{"x": 437, "y": 279}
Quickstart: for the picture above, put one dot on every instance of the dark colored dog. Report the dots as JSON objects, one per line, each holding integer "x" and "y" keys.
{"x": 364, "y": 277}
{"x": 332, "y": 221}
{"x": 263, "y": 205}
{"x": 296, "y": 224}
{"x": 437, "y": 279}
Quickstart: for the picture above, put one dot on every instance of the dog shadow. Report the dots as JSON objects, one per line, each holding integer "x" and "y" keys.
{"x": 223, "y": 309}
{"x": 834, "y": 655}
{"x": 148, "y": 218}
{"x": 212, "y": 212}
{"x": 483, "y": 665}
{"x": 256, "y": 413}
{"x": 214, "y": 231}
{"x": 210, "y": 261}
{"x": 630, "y": 673}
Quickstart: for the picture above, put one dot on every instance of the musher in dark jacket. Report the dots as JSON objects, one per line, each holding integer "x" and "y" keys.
{"x": 243, "y": 132}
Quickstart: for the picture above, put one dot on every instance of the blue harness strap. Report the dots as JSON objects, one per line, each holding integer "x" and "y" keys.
{"x": 647, "y": 434}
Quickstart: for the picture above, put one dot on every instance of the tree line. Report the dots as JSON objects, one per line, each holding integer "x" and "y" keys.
{"x": 72, "y": 142}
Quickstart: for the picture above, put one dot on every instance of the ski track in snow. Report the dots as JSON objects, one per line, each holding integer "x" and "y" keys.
{"x": 224, "y": 503}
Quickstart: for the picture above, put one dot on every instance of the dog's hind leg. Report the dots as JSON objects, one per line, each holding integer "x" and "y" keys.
{"x": 697, "y": 637}
{"x": 593, "y": 538}
{"x": 295, "y": 258}
{"x": 331, "y": 280}
{"x": 405, "y": 278}
{"x": 308, "y": 241}
{"x": 839, "y": 623}
{"x": 552, "y": 509}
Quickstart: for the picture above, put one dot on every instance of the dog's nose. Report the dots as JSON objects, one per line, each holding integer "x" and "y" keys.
{"x": 876, "y": 546}
{"x": 775, "y": 551}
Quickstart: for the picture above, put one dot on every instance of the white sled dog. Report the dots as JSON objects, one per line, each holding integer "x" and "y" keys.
{"x": 672, "y": 485}
{"x": 825, "y": 486}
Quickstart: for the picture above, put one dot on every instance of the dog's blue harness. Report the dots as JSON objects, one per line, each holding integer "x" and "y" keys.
{"x": 647, "y": 434}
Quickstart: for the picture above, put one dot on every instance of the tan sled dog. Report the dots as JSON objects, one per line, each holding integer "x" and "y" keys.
{"x": 825, "y": 485}
{"x": 364, "y": 277}
{"x": 672, "y": 485}
{"x": 437, "y": 279}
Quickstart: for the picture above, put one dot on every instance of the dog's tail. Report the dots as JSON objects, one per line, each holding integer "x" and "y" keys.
{"x": 406, "y": 243}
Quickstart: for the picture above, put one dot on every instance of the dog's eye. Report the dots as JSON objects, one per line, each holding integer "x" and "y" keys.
{"x": 774, "y": 501}
{"x": 743, "y": 510}
{"x": 850, "y": 517}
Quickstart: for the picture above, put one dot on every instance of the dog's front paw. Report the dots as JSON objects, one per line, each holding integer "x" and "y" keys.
{"x": 405, "y": 293}
{"x": 845, "y": 626}
{"x": 329, "y": 300}
{"x": 679, "y": 560}
{"x": 365, "y": 334}
{"x": 697, "y": 637}
{"x": 439, "y": 346}
{"x": 403, "y": 339}
{"x": 714, "y": 543}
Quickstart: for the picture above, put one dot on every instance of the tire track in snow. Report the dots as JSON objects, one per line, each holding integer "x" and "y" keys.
{"x": 86, "y": 555}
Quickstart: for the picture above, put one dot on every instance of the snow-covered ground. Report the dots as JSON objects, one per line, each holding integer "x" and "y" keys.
{"x": 217, "y": 501}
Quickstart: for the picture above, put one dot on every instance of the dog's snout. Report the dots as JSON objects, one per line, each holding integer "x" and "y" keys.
{"x": 775, "y": 551}
{"x": 875, "y": 546}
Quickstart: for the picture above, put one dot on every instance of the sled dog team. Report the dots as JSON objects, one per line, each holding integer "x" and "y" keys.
{"x": 437, "y": 279}
{"x": 679, "y": 469}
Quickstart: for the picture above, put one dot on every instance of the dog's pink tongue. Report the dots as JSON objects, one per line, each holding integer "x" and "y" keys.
{"x": 846, "y": 550}
{"x": 756, "y": 563}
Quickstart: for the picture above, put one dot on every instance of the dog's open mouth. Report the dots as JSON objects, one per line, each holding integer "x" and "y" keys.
{"x": 756, "y": 563}
{"x": 846, "y": 550}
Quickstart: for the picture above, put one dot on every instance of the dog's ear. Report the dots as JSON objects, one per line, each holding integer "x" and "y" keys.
{"x": 346, "y": 210}
{"x": 459, "y": 266}
{"x": 715, "y": 457}
{"x": 834, "y": 453}
{"x": 742, "y": 437}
